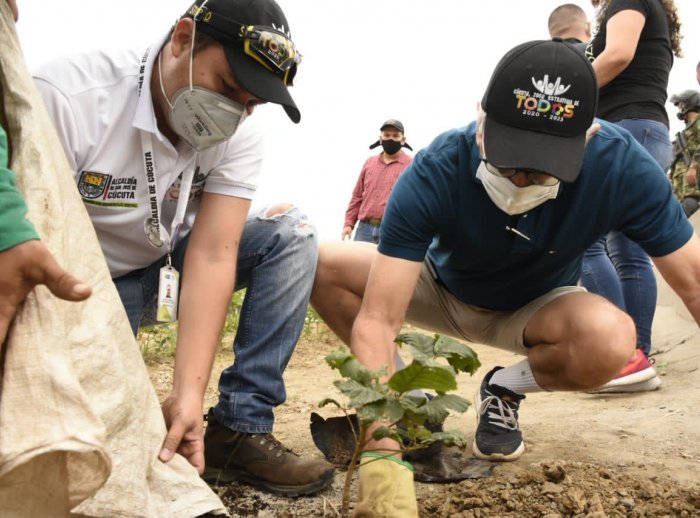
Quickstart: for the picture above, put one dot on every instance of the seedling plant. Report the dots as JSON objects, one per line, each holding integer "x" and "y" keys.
{"x": 392, "y": 401}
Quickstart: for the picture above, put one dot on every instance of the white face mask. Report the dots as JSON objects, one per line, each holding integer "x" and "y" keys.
{"x": 510, "y": 198}
{"x": 200, "y": 117}
{"x": 203, "y": 118}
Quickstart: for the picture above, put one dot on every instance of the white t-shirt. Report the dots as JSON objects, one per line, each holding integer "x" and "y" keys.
{"x": 96, "y": 106}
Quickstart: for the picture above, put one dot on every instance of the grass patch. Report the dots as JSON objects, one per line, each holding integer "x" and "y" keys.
{"x": 157, "y": 342}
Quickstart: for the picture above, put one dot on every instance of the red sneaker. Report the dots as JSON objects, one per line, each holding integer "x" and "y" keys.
{"x": 639, "y": 375}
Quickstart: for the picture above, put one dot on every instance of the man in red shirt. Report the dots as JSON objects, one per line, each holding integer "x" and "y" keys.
{"x": 374, "y": 185}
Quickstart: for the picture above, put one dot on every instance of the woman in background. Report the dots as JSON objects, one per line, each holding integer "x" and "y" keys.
{"x": 632, "y": 55}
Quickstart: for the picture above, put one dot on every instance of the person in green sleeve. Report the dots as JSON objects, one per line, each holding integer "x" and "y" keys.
{"x": 24, "y": 260}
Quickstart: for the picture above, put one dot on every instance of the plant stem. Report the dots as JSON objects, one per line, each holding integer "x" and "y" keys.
{"x": 351, "y": 470}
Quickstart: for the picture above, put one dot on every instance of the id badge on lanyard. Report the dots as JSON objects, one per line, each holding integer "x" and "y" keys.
{"x": 168, "y": 291}
{"x": 169, "y": 282}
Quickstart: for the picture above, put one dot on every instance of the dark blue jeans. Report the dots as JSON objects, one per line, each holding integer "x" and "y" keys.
{"x": 615, "y": 266}
{"x": 367, "y": 232}
{"x": 276, "y": 264}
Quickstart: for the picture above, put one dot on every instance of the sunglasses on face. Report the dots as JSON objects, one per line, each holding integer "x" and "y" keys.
{"x": 534, "y": 177}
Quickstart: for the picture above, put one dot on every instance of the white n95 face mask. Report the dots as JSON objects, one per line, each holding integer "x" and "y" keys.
{"x": 510, "y": 198}
{"x": 203, "y": 118}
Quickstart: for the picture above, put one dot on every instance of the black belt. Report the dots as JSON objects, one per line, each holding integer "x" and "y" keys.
{"x": 375, "y": 222}
{"x": 433, "y": 273}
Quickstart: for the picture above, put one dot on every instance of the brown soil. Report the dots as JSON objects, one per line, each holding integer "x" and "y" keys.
{"x": 587, "y": 455}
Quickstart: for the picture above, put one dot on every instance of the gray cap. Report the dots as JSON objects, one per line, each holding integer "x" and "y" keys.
{"x": 393, "y": 122}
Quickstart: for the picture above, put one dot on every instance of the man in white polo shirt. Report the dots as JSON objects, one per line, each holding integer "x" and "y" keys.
{"x": 156, "y": 139}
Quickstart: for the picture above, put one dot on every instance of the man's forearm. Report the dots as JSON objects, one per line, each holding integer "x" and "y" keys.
{"x": 205, "y": 298}
{"x": 372, "y": 343}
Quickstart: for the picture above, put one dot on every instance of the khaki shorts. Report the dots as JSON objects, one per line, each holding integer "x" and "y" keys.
{"x": 434, "y": 308}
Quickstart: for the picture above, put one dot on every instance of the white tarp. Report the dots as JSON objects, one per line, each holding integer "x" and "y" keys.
{"x": 80, "y": 423}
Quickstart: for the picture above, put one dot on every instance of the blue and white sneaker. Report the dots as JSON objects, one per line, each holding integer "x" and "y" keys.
{"x": 498, "y": 435}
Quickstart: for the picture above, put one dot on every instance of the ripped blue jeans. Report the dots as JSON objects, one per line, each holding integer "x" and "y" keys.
{"x": 276, "y": 264}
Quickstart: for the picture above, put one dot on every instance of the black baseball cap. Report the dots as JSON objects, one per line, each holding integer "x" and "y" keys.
{"x": 222, "y": 20}
{"x": 393, "y": 123}
{"x": 541, "y": 99}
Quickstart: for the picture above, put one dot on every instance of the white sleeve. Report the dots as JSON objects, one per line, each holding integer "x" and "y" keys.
{"x": 63, "y": 119}
{"x": 238, "y": 170}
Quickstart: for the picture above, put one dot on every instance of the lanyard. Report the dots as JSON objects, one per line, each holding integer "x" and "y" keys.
{"x": 152, "y": 225}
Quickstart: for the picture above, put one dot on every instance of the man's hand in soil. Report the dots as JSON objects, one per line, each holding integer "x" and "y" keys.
{"x": 24, "y": 266}
{"x": 185, "y": 425}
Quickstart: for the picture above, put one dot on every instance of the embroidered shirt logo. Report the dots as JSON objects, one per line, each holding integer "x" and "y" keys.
{"x": 544, "y": 86}
{"x": 92, "y": 185}
{"x": 105, "y": 190}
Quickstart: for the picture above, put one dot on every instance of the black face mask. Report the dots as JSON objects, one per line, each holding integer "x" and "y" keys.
{"x": 391, "y": 147}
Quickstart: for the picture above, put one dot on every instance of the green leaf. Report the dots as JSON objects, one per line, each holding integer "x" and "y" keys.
{"x": 417, "y": 376}
{"x": 413, "y": 420}
{"x": 391, "y": 432}
{"x": 417, "y": 432}
{"x": 411, "y": 403}
{"x": 451, "y": 438}
{"x": 357, "y": 393}
{"x": 329, "y": 401}
{"x": 426, "y": 348}
{"x": 458, "y": 355}
{"x": 344, "y": 361}
{"x": 420, "y": 345}
{"x": 353, "y": 369}
{"x": 338, "y": 357}
{"x": 384, "y": 410}
{"x": 438, "y": 408}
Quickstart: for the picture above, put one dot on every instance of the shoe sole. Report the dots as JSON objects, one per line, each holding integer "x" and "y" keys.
{"x": 217, "y": 477}
{"x": 637, "y": 377}
{"x": 643, "y": 386}
{"x": 496, "y": 457}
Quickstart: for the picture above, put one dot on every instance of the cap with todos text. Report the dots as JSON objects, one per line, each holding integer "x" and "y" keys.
{"x": 214, "y": 19}
{"x": 541, "y": 99}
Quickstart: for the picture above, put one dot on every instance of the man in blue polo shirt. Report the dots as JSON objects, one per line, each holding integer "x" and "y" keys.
{"x": 484, "y": 233}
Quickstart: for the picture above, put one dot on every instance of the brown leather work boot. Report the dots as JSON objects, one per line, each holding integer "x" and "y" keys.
{"x": 261, "y": 461}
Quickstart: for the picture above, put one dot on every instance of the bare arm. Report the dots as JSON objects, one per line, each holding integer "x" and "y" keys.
{"x": 681, "y": 269}
{"x": 353, "y": 210}
{"x": 208, "y": 282}
{"x": 622, "y": 37}
{"x": 388, "y": 292}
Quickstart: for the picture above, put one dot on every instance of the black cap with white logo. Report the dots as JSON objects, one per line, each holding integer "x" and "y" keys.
{"x": 541, "y": 99}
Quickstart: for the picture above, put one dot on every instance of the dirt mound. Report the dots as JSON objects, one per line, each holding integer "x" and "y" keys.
{"x": 564, "y": 489}
{"x": 586, "y": 455}
{"x": 631, "y": 455}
